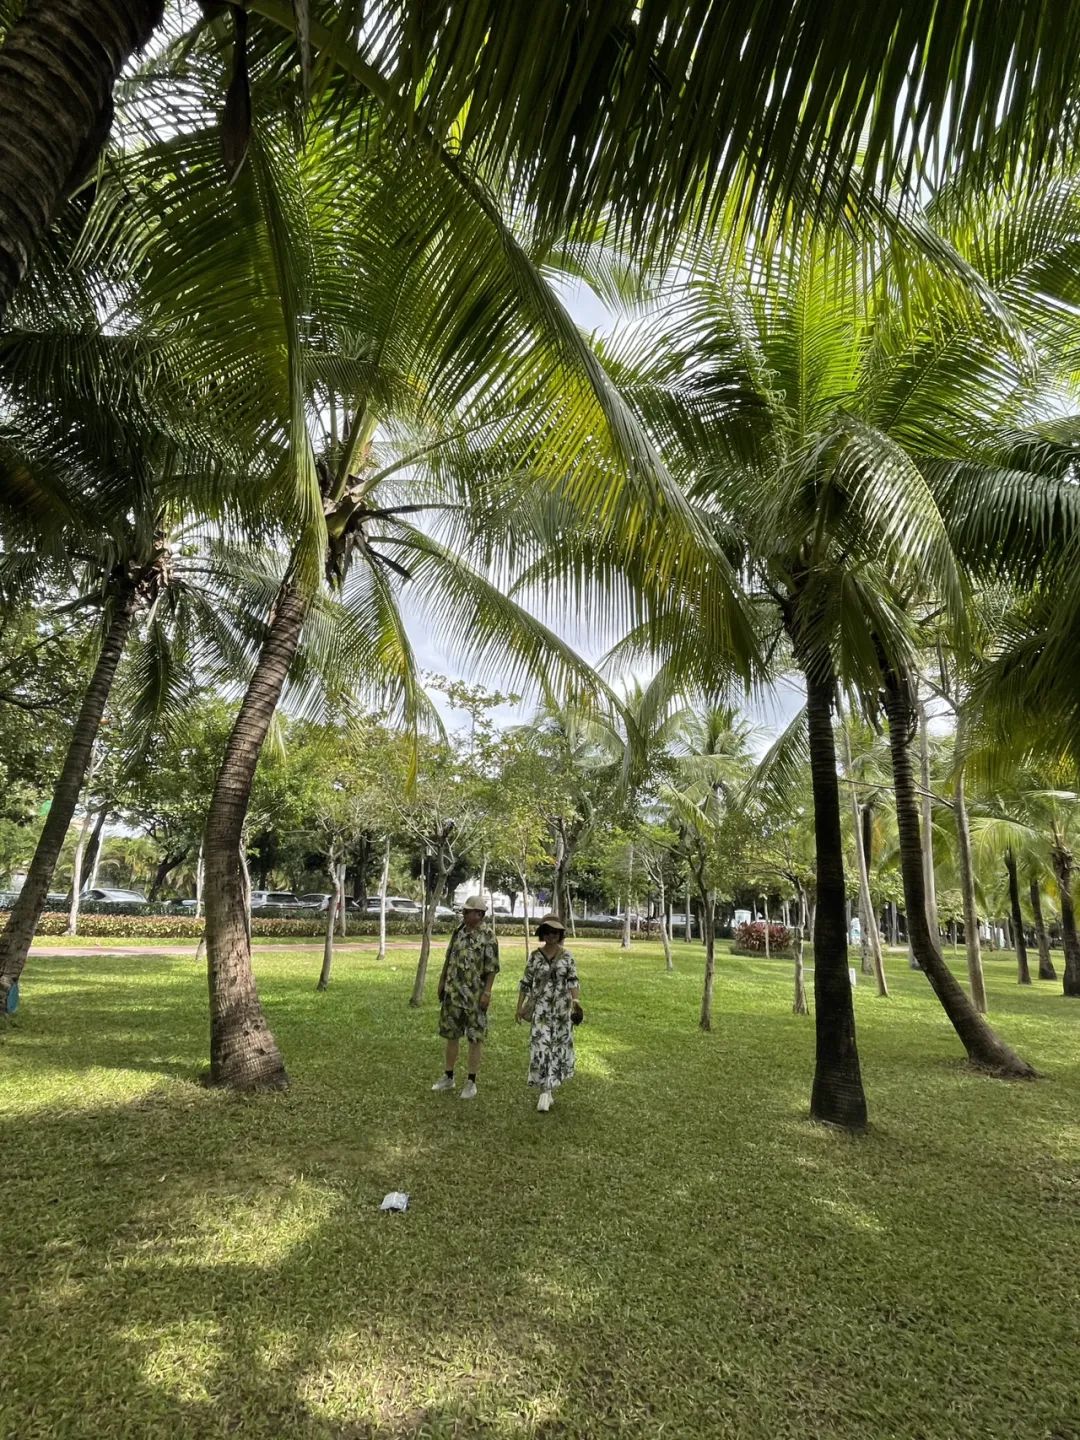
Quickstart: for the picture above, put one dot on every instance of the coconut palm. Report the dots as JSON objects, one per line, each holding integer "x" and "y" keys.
{"x": 652, "y": 106}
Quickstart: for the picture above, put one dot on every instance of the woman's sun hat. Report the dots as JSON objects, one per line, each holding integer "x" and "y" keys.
{"x": 553, "y": 923}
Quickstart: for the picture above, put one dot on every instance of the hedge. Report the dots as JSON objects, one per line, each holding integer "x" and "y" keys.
{"x": 749, "y": 939}
{"x": 188, "y": 927}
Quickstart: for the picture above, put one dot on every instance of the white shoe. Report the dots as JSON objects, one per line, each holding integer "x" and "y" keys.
{"x": 444, "y": 1082}
{"x": 469, "y": 1091}
{"x": 545, "y": 1102}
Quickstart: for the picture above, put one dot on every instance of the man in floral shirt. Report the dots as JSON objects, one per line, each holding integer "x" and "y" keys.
{"x": 468, "y": 973}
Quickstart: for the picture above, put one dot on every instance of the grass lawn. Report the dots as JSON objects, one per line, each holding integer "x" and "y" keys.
{"x": 673, "y": 1251}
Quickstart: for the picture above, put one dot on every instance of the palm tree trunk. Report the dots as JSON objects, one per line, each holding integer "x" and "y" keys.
{"x": 243, "y": 1052}
{"x": 983, "y": 1047}
{"x": 688, "y": 928}
{"x": 870, "y": 937}
{"x": 967, "y": 889}
{"x": 58, "y": 65}
{"x": 339, "y": 878}
{"x": 1046, "y": 963}
{"x": 384, "y": 885}
{"x": 1070, "y": 942}
{"x": 30, "y": 902}
{"x": 1023, "y": 973}
{"x": 929, "y": 881}
{"x": 837, "y": 1097}
{"x": 799, "y": 1005}
{"x": 624, "y": 944}
{"x": 708, "y": 930}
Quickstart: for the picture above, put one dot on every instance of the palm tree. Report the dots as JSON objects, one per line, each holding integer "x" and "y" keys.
{"x": 711, "y": 747}
{"x": 636, "y": 102}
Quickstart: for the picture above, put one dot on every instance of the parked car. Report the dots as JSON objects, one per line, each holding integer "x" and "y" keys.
{"x": 114, "y": 897}
{"x": 183, "y": 904}
{"x": 274, "y": 900}
{"x": 445, "y": 912}
{"x": 501, "y": 912}
{"x": 320, "y": 900}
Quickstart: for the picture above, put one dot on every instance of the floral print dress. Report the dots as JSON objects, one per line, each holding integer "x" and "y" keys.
{"x": 551, "y": 1042}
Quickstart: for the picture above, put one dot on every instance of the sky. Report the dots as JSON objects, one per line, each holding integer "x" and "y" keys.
{"x": 769, "y": 713}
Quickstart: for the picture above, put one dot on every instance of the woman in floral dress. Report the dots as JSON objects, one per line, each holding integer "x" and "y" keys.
{"x": 548, "y": 995}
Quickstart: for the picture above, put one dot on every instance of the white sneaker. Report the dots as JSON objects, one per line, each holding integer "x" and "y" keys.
{"x": 545, "y": 1102}
{"x": 444, "y": 1082}
{"x": 469, "y": 1091}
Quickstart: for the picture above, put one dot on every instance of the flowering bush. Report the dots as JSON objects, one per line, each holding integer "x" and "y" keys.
{"x": 750, "y": 938}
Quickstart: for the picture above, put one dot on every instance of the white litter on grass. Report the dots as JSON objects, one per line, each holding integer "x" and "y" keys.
{"x": 396, "y": 1200}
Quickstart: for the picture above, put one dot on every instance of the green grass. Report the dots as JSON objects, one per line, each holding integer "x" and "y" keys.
{"x": 674, "y": 1250}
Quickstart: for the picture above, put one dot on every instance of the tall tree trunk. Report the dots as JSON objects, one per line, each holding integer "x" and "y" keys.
{"x": 799, "y": 1005}
{"x": 243, "y": 1052}
{"x": 765, "y": 907}
{"x": 1023, "y": 973}
{"x": 837, "y": 1097}
{"x": 483, "y": 874}
{"x": 76, "y": 876}
{"x": 1046, "y": 963}
{"x": 58, "y": 65}
{"x": 984, "y": 1048}
{"x": 976, "y": 980}
{"x": 929, "y": 880}
{"x": 708, "y": 931}
{"x": 30, "y": 902}
{"x": 384, "y": 886}
{"x": 870, "y": 938}
{"x": 435, "y": 899}
{"x": 1062, "y": 860}
{"x": 688, "y": 928}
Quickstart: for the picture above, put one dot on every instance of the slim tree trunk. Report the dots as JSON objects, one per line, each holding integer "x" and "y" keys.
{"x": 837, "y": 1097}
{"x": 384, "y": 886}
{"x": 525, "y": 911}
{"x": 665, "y": 938}
{"x": 30, "y": 902}
{"x": 708, "y": 930}
{"x": 58, "y": 65}
{"x": 688, "y": 928}
{"x": 343, "y": 924}
{"x": 624, "y": 943}
{"x": 985, "y": 1050}
{"x": 976, "y": 980}
{"x": 1070, "y": 942}
{"x": 92, "y": 859}
{"x": 871, "y": 940}
{"x": 799, "y": 1005}
{"x": 243, "y": 1052}
{"x": 328, "y": 942}
{"x": 483, "y": 874}
{"x": 1023, "y": 973}
{"x": 417, "y": 997}
{"x": 1046, "y": 963}
{"x": 929, "y": 881}
{"x": 76, "y": 876}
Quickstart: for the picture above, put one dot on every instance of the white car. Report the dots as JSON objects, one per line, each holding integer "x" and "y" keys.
{"x": 395, "y": 905}
{"x": 274, "y": 900}
{"x": 115, "y": 897}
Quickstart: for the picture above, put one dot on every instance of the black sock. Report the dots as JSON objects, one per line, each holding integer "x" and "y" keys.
{"x": 472, "y": 1076}
{"x": 449, "y": 1074}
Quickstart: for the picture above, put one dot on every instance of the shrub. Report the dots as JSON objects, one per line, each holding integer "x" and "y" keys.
{"x": 152, "y": 925}
{"x": 750, "y": 938}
